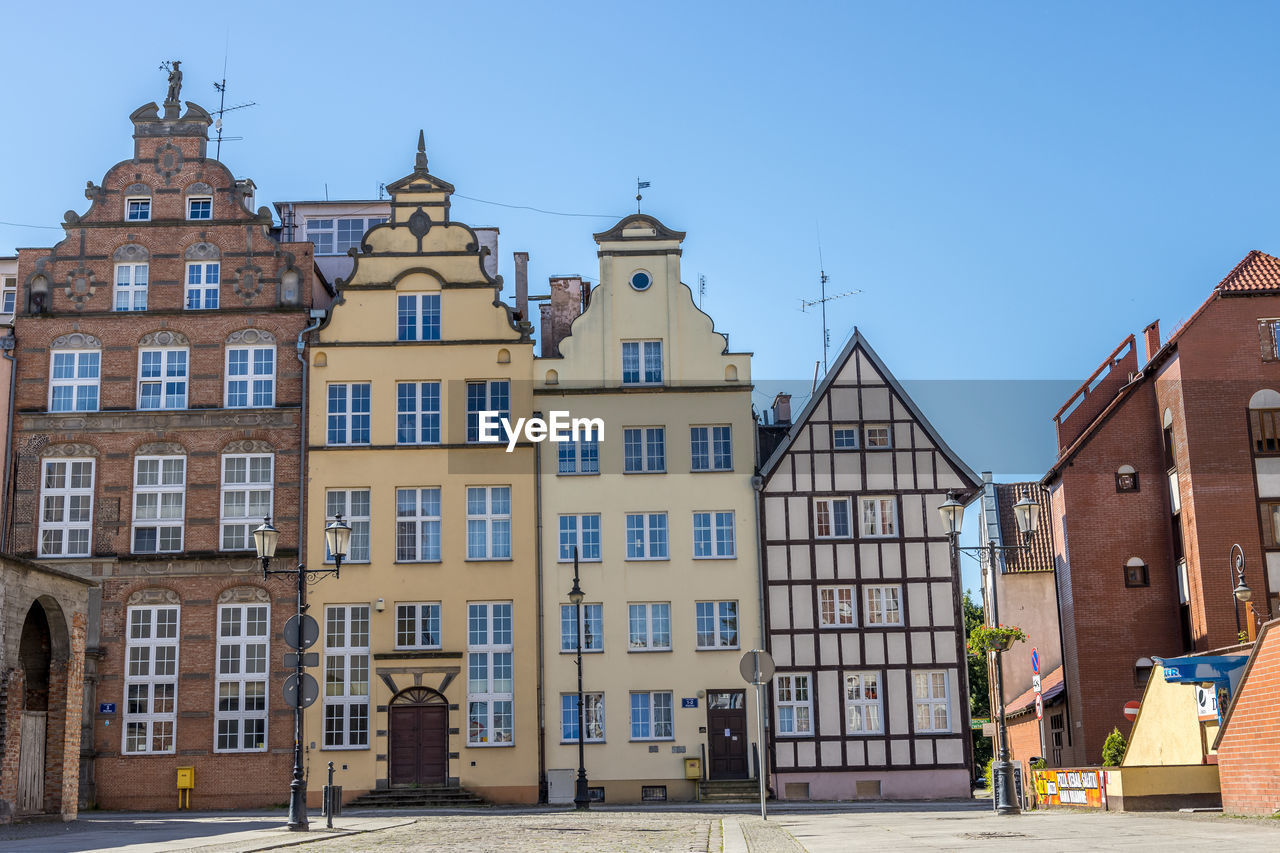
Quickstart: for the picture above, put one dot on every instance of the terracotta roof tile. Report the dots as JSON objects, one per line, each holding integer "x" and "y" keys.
{"x": 1039, "y": 556}
{"x": 1257, "y": 273}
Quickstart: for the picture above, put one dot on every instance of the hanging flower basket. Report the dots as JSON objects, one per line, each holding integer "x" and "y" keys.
{"x": 994, "y": 638}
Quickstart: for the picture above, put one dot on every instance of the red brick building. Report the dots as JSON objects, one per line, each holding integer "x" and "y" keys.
{"x": 1163, "y": 466}
{"x": 1249, "y": 741}
{"x": 157, "y": 420}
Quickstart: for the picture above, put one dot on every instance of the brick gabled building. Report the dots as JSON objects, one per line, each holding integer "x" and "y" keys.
{"x": 157, "y": 419}
{"x": 1161, "y": 468}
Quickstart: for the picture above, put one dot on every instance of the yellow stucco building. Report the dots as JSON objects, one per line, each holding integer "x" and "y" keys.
{"x": 662, "y": 511}
{"x": 428, "y": 640}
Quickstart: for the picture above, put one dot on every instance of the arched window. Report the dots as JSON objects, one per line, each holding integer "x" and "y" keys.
{"x": 1136, "y": 573}
{"x": 199, "y": 201}
{"x": 251, "y": 370}
{"x": 1142, "y": 671}
{"x": 151, "y": 679}
{"x": 75, "y": 370}
{"x": 159, "y": 497}
{"x": 1126, "y": 479}
{"x": 137, "y": 203}
{"x": 132, "y": 272}
{"x": 163, "y": 367}
{"x": 204, "y": 276}
{"x": 1264, "y": 421}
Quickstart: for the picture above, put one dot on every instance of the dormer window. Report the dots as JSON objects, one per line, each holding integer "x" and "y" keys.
{"x": 200, "y": 207}
{"x": 137, "y": 209}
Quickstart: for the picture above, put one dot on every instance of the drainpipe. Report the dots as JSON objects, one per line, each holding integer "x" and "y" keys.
{"x": 318, "y": 316}
{"x": 542, "y": 724}
{"x": 7, "y": 344}
{"x": 757, "y": 488}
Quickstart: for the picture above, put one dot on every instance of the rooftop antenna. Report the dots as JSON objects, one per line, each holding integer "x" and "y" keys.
{"x": 805, "y": 304}
{"x": 702, "y": 289}
{"x": 223, "y": 108}
{"x": 382, "y": 191}
{"x": 640, "y": 185}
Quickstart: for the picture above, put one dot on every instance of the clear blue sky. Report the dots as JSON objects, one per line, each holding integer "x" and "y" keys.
{"x": 1013, "y": 186}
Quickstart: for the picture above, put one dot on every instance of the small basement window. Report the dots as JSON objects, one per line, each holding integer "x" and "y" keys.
{"x": 653, "y": 793}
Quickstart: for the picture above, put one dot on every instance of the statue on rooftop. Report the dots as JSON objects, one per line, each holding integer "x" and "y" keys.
{"x": 175, "y": 82}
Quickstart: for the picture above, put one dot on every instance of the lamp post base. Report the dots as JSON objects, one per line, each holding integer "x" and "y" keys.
{"x": 581, "y": 796}
{"x": 1002, "y": 788}
{"x": 298, "y": 809}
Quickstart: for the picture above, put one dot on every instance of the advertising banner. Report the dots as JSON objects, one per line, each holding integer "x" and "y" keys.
{"x": 1079, "y": 788}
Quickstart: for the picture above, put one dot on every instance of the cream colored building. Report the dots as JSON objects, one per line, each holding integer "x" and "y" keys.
{"x": 662, "y": 511}
{"x": 428, "y": 641}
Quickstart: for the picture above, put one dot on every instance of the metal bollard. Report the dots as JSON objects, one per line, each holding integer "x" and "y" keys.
{"x": 328, "y": 800}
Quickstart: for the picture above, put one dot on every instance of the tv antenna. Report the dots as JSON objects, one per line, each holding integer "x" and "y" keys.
{"x": 806, "y": 304}
{"x": 223, "y": 108}
{"x": 702, "y": 289}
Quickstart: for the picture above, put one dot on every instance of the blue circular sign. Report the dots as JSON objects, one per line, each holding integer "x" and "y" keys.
{"x": 1035, "y": 661}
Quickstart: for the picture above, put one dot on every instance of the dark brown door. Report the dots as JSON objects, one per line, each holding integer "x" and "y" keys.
{"x": 727, "y": 734}
{"x": 419, "y": 743}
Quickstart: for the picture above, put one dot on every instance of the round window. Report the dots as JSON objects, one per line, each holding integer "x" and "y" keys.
{"x": 640, "y": 280}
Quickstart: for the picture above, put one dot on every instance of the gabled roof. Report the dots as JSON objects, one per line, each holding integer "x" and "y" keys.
{"x": 660, "y": 231}
{"x": 858, "y": 342}
{"x": 1257, "y": 273}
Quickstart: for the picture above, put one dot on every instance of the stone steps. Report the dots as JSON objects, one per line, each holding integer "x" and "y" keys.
{"x": 422, "y": 797}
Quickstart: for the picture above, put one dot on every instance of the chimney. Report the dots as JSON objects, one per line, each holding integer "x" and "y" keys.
{"x": 566, "y": 305}
{"x": 548, "y": 348}
{"x": 782, "y": 410}
{"x": 522, "y": 285}
{"x": 1152, "y": 335}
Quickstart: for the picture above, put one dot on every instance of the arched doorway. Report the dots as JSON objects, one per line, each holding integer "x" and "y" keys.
{"x": 418, "y": 750}
{"x": 35, "y": 655}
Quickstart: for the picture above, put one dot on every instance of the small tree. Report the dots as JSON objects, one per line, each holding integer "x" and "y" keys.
{"x": 1113, "y": 749}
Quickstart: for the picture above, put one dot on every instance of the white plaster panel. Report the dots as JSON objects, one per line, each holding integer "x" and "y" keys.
{"x": 912, "y": 526}
{"x": 879, "y": 472}
{"x": 921, "y": 647}
{"x": 781, "y": 650}
{"x": 945, "y": 644}
{"x": 775, "y": 557}
{"x": 924, "y": 751}
{"x": 1268, "y": 477}
{"x": 900, "y": 751}
{"x": 846, "y": 562}
{"x": 850, "y": 650}
{"x": 849, "y": 373}
{"x": 801, "y": 607}
{"x": 822, "y": 474}
{"x": 855, "y": 752}
{"x": 802, "y": 441}
{"x": 875, "y": 404}
{"x": 940, "y": 559}
{"x": 820, "y": 436}
{"x": 805, "y": 753}
{"x": 781, "y": 479}
{"x": 804, "y": 650}
{"x": 824, "y": 561}
{"x": 924, "y": 470}
{"x": 848, "y": 472}
{"x": 898, "y": 707}
{"x": 921, "y": 436}
{"x": 829, "y": 645}
{"x": 828, "y": 695}
{"x": 797, "y": 518}
{"x": 875, "y": 752}
{"x": 775, "y": 522}
{"x": 786, "y": 753}
{"x": 870, "y": 376}
{"x": 831, "y": 753}
{"x": 800, "y": 562}
{"x": 874, "y": 649}
{"x": 896, "y": 647}
{"x": 804, "y": 473}
{"x": 906, "y": 462}
{"x": 891, "y": 560}
{"x": 779, "y": 617}
{"x": 948, "y": 478}
{"x": 844, "y": 404}
{"x": 943, "y": 609}
{"x": 918, "y": 603}
{"x": 953, "y": 690}
{"x": 916, "y": 567}
{"x": 950, "y": 750}
{"x": 869, "y": 561}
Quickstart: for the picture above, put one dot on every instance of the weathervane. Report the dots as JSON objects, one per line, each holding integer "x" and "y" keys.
{"x": 640, "y": 185}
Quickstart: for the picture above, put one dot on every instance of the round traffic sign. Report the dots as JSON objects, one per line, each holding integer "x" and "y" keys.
{"x": 310, "y": 632}
{"x": 1035, "y": 661}
{"x": 756, "y": 667}
{"x": 1039, "y": 707}
{"x": 1131, "y": 709}
{"x": 310, "y": 690}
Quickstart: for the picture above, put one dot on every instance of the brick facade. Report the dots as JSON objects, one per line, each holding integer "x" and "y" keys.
{"x": 69, "y": 301}
{"x": 1249, "y": 746}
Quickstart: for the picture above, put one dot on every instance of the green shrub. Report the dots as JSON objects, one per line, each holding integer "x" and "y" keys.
{"x": 1113, "y": 749}
{"x": 986, "y": 773}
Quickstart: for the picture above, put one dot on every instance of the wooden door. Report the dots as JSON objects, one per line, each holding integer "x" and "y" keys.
{"x": 727, "y": 734}
{"x": 419, "y": 745}
{"x": 31, "y": 763}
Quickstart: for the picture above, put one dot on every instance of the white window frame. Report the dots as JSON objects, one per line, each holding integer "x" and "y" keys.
{"x": 875, "y": 526}
{"x": 137, "y": 199}
{"x": 355, "y": 511}
{"x": 647, "y": 614}
{"x": 656, "y": 729}
{"x": 845, "y": 438}
{"x": 168, "y": 399}
{"x": 489, "y": 523}
{"x": 717, "y": 612}
{"x": 593, "y": 641}
{"x": 191, "y": 202}
{"x": 420, "y": 524}
{"x": 251, "y": 378}
{"x": 715, "y": 531}
{"x": 573, "y": 533}
{"x": 593, "y": 717}
{"x": 491, "y": 398}
{"x": 417, "y": 308}
{"x": 328, "y": 227}
{"x": 9, "y": 295}
{"x": 840, "y": 603}
{"x": 414, "y": 619}
{"x": 787, "y": 694}
{"x": 243, "y": 672}
{"x": 876, "y": 608}
{"x": 490, "y": 651}
{"x": 857, "y": 685}
{"x": 648, "y": 541}
{"x": 346, "y": 677}
{"x": 644, "y": 353}
{"x": 66, "y": 509}
{"x": 245, "y": 524}
{"x": 159, "y": 490}
{"x": 931, "y": 702}
{"x": 714, "y": 447}
{"x": 131, "y": 283}
{"x": 345, "y": 427}
{"x": 81, "y": 364}
{"x": 650, "y": 444}
{"x": 873, "y": 444}
{"x": 832, "y": 525}
{"x": 207, "y": 293}
{"x": 151, "y": 663}
{"x": 578, "y": 458}
{"x": 417, "y": 414}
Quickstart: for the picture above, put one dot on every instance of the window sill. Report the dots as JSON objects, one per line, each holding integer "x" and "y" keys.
{"x": 647, "y": 651}
{"x": 578, "y": 474}
{"x": 653, "y": 471}
{"x": 710, "y": 470}
{"x": 574, "y": 742}
{"x": 848, "y": 627}
{"x": 416, "y": 562}
{"x": 584, "y": 651}
{"x": 488, "y": 560}
{"x": 581, "y": 559}
{"x": 650, "y": 740}
{"x": 874, "y": 625}
{"x": 506, "y": 743}
{"x": 796, "y": 735}
{"x": 344, "y": 748}
{"x": 716, "y": 557}
{"x": 717, "y": 648}
{"x": 647, "y": 560}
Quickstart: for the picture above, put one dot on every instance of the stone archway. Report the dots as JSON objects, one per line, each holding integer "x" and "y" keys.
{"x": 418, "y": 751}
{"x": 35, "y": 657}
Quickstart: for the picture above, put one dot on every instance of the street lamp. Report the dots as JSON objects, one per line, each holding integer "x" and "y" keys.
{"x": 1242, "y": 593}
{"x": 581, "y": 796}
{"x": 336, "y": 536}
{"x": 1026, "y": 514}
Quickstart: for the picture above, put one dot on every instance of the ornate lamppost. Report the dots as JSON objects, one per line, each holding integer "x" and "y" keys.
{"x": 1026, "y": 513}
{"x": 337, "y": 535}
{"x": 581, "y": 795}
{"x": 1241, "y": 594}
